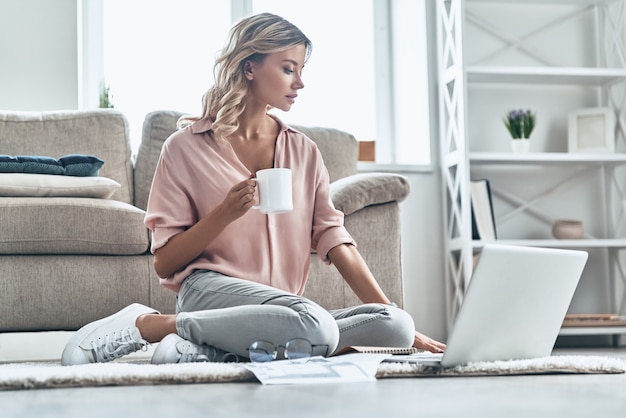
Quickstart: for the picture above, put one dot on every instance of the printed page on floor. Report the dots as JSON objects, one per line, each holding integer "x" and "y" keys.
{"x": 340, "y": 369}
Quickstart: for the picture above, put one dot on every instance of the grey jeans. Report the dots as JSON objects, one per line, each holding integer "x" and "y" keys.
{"x": 230, "y": 314}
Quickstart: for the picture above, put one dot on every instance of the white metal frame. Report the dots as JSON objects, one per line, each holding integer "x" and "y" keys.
{"x": 614, "y": 54}
{"x": 454, "y": 167}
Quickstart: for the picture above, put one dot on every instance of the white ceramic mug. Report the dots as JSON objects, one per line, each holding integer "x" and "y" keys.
{"x": 274, "y": 190}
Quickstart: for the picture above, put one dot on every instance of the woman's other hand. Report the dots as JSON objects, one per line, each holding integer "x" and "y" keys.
{"x": 423, "y": 342}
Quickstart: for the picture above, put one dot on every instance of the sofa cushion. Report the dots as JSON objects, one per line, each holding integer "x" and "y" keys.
{"x": 157, "y": 127}
{"x": 353, "y": 193}
{"x": 59, "y": 225}
{"x": 81, "y": 165}
{"x": 339, "y": 149}
{"x": 68, "y": 165}
{"x": 36, "y": 185}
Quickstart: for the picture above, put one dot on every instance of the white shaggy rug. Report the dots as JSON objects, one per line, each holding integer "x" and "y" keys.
{"x": 15, "y": 376}
{"x": 543, "y": 365}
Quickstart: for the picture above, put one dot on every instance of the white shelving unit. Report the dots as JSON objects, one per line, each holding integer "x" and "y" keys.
{"x": 459, "y": 164}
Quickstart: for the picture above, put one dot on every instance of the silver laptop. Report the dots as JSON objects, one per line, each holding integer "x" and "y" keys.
{"x": 514, "y": 305}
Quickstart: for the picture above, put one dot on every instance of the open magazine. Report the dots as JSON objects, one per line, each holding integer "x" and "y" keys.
{"x": 337, "y": 369}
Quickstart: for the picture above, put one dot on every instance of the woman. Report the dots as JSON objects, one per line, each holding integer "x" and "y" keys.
{"x": 239, "y": 273}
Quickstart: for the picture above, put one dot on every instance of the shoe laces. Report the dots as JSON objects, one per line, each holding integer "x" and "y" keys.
{"x": 117, "y": 344}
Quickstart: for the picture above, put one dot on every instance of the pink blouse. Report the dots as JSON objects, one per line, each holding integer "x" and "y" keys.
{"x": 193, "y": 176}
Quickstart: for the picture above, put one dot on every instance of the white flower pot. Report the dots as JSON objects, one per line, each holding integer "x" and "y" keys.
{"x": 520, "y": 145}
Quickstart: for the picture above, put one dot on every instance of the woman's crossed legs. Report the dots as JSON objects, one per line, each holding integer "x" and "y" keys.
{"x": 218, "y": 314}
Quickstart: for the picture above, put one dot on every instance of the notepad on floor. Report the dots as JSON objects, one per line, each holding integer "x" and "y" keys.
{"x": 378, "y": 350}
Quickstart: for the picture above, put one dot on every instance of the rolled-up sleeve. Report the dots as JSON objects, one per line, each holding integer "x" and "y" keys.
{"x": 168, "y": 211}
{"x": 328, "y": 229}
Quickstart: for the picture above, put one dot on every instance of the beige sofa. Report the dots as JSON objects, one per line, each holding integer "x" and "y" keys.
{"x": 66, "y": 261}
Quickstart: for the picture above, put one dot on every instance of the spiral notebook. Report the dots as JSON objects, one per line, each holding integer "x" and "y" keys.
{"x": 378, "y": 350}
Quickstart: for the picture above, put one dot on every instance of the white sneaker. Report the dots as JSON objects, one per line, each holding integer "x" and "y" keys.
{"x": 108, "y": 338}
{"x": 175, "y": 349}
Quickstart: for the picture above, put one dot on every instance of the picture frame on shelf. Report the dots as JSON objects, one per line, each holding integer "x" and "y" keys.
{"x": 591, "y": 130}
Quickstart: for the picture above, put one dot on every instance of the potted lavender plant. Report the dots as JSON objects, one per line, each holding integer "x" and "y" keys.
{"x": 520, "y": 125}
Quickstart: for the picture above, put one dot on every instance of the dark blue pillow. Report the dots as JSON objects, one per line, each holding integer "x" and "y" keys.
{"x": 69, "y": 165}
{"x": 81, "y": 165}
{"x": 28, "y": 164}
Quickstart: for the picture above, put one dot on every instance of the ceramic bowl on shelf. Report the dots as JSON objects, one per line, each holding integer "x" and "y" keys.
{"x": 568, "y": 229}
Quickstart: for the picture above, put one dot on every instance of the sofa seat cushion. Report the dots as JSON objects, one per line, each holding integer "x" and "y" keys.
{"x": 59, "y": 225}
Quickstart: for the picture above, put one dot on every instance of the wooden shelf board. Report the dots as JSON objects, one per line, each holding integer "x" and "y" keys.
{"x": 591, "y": 323}
{"x": 545, "y": 75}
{"x": 560, "y": 243}
{"x": 531, "y": 158}
{"x": 543, "y": 1}
{"x": 608, "y": 330}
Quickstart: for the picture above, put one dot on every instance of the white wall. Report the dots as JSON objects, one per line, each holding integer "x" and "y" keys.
{"x": 422, "y": 250}
{"x": 38, "y": 53}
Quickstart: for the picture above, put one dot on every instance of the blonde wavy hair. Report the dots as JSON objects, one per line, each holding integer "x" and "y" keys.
{"x": 251, "y": 39}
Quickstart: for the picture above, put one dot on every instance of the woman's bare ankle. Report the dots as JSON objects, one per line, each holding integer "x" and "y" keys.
{"x": 154, "y": 327}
